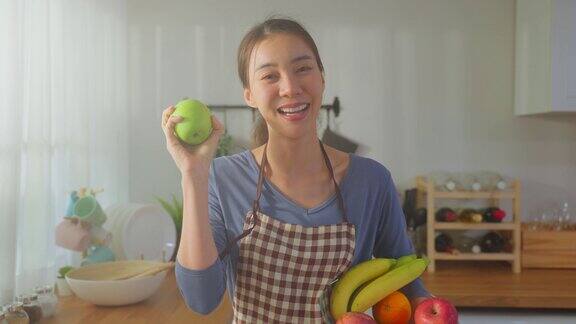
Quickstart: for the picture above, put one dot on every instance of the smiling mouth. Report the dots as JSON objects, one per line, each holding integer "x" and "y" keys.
{"x": 294, "y": 110}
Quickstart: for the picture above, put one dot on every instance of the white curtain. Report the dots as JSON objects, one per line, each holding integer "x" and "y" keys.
{"x": 63, "y": 125}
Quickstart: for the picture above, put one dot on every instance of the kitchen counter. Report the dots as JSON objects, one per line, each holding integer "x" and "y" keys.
{"x": 165, "y": 306}
{"x": 465, "y": 284}
{"x": 493, "y": 284}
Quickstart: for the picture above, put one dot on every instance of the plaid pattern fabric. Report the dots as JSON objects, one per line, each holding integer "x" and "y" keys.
{"x": 284, "y": 270}
{"x": 325, "y": 306}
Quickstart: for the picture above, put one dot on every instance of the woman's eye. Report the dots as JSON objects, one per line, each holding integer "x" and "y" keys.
{"x": 268, "y": 77}
{"x": 304, "y": 69}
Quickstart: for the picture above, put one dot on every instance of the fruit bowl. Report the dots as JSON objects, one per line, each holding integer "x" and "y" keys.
{"x": 96, "y": 284}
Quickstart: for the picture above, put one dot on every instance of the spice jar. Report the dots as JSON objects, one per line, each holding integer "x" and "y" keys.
{"x": 47, "y": 300}
{"x": 31, "y": 308}
{"x": 2, "y": 316}
{"x": 16, "y": 314}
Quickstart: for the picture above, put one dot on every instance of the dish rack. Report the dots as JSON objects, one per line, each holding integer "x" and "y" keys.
{"x": 428, "y": 195}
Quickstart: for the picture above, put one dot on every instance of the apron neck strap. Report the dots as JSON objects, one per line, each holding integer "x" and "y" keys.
{"x": 338, "y": 193}
{"x": 264, "y": 163}
{"x": 256, "y": 204}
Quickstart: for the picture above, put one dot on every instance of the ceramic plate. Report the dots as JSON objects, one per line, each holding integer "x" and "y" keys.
{"x": 148, "y": 232}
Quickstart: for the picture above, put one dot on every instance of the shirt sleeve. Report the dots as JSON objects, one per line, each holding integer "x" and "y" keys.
{"x": 203, "y": 289}
{"x": 393, "y": 240}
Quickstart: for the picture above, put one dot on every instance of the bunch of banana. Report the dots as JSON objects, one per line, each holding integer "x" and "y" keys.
{"x": 352, "y": 279}
{"x": 368, "y": 282}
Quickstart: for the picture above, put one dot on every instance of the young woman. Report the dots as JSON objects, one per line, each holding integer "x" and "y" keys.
{"x": 277, "y": 224}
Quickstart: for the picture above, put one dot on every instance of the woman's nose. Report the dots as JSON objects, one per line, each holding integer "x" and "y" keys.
{"x": 290, "y": 86}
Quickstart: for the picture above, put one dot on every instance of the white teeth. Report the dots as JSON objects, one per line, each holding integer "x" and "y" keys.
{"x": 293, "y": 110}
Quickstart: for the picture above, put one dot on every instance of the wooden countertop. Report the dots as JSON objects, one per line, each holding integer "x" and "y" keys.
{"x": 493, "y": 284}
{"x": 466, "y": 284}
{"x": 166, "y": 306}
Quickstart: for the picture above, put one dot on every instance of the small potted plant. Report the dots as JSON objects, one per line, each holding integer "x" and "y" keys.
{"x": 224, "y": 145}
{"x": 174, "y": 207}
{"x": 61, "y": 283}
{"x": 175, "y": 210}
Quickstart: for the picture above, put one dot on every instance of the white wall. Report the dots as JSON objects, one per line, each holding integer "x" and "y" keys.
{"x": 425, "y": 85}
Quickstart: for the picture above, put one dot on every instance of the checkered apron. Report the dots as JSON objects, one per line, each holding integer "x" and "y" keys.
{"x": 285, "y": 271}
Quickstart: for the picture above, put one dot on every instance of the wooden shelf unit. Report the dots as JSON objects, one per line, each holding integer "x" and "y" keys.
{"x": 427, "y": 188}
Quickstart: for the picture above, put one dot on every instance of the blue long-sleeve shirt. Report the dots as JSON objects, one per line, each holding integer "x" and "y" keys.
{"x": 371, "y": 203}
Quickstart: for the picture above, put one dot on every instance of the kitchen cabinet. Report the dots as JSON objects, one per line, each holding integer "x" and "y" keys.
{"x": 545, "y": 79}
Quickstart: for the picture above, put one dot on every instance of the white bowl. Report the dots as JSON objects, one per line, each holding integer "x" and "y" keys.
{"x": 114, "y": 292}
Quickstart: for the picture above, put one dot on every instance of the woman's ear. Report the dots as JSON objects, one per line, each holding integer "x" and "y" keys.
{"x": 248, "y": 98}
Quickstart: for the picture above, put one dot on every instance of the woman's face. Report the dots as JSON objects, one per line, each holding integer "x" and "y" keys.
{"x": 286, "y": 85}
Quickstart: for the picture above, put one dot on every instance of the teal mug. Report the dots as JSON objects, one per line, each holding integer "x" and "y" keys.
{"x": 88, "y": 209}
{"x": 71, "y": 202}
{"x": 98, "y": 254}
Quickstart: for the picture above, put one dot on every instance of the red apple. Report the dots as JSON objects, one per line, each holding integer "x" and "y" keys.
{"x": 355, "y": 318}
{"x": 436, "y": 310}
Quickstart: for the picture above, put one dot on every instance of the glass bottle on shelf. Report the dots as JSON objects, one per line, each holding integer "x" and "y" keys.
{"x": 476, "y": 186}
{"x": 439, "y": 178}
{"x": 445, "y": 181}
{"x": 469, "y": 182}
{"x": 491, "y": 181}
{"x": 450, "y": 185}
{"x": 469, "y": 215}
{"x": 466, "y": 243}
{"x": 501, "y": 184}
{"x": 476, "y": 249}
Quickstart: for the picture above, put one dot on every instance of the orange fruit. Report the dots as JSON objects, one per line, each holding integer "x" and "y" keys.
{"x": 392, "y": 309}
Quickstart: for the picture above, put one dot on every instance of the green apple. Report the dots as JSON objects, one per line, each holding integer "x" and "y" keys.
{"x": 196, "y": 125}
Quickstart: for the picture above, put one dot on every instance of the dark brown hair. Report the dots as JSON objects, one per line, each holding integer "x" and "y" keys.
{"x": 257, "y": 34}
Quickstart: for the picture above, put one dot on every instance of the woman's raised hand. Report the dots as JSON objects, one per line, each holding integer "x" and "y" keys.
{"x": 194, "y": 160}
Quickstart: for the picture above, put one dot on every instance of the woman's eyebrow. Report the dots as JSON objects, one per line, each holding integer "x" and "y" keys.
{"x": 299, "y": 58}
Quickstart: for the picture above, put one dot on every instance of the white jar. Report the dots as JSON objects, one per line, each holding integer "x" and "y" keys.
{"x": 47, "y": 300}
